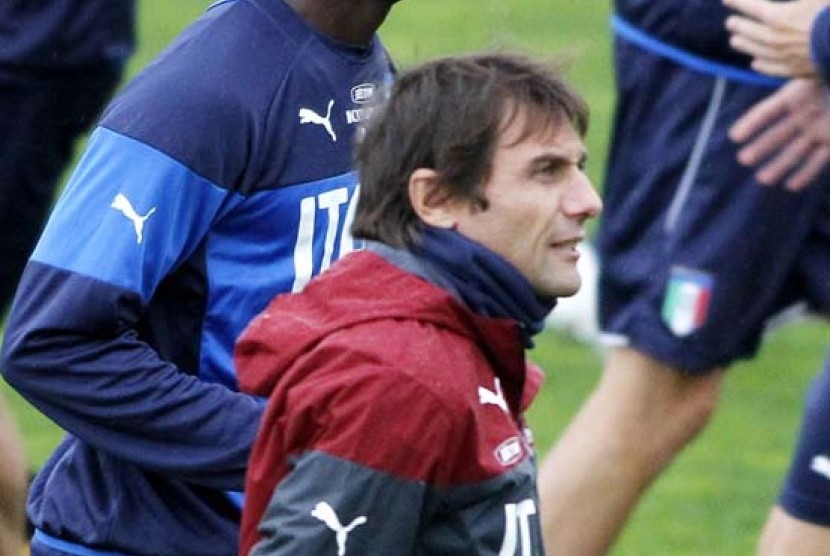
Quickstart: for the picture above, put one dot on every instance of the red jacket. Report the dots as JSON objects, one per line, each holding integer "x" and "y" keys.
{"x": 394, "y": 423}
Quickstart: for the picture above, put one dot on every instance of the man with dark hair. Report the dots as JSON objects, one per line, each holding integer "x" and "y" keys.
{"x": 397, "y": 380}
{"x": 219, "y": 177}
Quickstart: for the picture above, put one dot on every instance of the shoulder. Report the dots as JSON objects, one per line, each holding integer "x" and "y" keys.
{"x": 206, "y": 99}
{"x": 372, "y": 414}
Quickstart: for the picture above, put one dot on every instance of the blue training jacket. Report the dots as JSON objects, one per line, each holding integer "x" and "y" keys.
{"x": 217, "y": 179}
{"x": 66, "y": 33}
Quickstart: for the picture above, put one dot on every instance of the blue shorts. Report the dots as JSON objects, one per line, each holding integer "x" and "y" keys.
{"x": 696, "y": 256}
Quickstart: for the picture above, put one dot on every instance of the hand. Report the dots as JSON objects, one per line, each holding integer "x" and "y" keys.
{"x": 775, "y": 34}
{"x": 789, "y": 132}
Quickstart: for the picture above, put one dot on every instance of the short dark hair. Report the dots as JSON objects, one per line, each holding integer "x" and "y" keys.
{"x": 447, "y": 115}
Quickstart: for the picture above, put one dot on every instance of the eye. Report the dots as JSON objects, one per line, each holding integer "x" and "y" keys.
{"x": 549, "y": 169}
{"x": 555, "y": 167}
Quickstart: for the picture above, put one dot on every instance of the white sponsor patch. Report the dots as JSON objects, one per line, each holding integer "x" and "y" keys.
{"x": 363, "y": 93}
{"x": 358, "y": 115}
{"x": 509, "y": 452}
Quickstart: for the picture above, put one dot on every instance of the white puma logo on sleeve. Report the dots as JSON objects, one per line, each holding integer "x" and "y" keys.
{"x": 125, "y": 207}
{"x": 325, "y": 513}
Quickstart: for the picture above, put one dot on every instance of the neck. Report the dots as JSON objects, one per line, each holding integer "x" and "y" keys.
{"x": 349, "y": 22}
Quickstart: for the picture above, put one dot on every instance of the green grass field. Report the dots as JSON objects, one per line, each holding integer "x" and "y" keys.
{"x": 714, "y": 498}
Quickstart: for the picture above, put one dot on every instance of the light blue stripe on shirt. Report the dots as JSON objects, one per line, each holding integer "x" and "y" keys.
{"x": 49, "y": 541}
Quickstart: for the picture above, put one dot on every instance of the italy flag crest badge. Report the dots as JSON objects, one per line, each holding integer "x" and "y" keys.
{"x": 686, "y": 301}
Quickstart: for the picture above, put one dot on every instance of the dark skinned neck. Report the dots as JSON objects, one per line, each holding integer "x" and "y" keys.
{"x": 349, "y": 22}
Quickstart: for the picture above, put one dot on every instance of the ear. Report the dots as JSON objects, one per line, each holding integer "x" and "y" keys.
{"x": 429, "y": 200}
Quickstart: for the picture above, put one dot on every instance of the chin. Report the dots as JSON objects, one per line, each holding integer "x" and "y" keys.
{"x": 559, "y": 281}
{"x": 567, "y": 288}
{"x": 568, "y": 291}
{"x": 557, "y": 290}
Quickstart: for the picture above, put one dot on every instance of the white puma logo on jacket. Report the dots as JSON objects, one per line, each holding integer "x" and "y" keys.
{"x": 125, "y": 207}
{"x": 325, "y": 513}
{"x": 496, "y": 397}
{"x": 309, "y": 116}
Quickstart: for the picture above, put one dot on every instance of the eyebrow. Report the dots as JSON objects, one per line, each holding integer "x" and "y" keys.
{"x": 559, "y": 157}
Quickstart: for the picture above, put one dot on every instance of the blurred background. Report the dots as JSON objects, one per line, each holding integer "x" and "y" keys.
{"x": 714, "y": 499}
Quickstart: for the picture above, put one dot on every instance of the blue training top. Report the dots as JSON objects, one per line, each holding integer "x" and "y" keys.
{"x": 66, "y": 33}
{"x": 220, "y": 177}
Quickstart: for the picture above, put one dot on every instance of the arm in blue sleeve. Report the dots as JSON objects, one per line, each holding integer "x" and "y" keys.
{"x": 128, "y": 218}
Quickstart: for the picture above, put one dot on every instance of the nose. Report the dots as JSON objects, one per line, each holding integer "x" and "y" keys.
{"x": 583, "y": 201}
